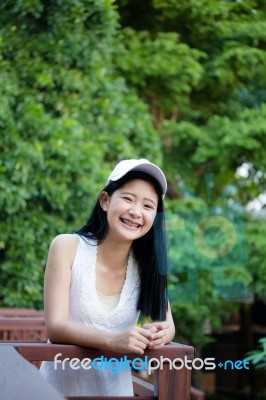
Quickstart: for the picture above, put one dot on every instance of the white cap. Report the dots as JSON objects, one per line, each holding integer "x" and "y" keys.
{"x": 123, "y": 167}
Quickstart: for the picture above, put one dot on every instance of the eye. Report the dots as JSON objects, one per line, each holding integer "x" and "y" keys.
{"x": 127, "y": 198}
{"x": 149, "y": 206}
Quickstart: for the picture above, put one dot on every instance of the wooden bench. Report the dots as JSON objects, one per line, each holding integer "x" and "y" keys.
{"x": 18, "y": 376}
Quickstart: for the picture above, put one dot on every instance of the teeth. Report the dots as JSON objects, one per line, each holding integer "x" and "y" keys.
{"x": 130, "y": 223}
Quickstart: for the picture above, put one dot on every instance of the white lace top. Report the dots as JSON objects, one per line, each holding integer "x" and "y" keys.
{"x": 86, "y": 308}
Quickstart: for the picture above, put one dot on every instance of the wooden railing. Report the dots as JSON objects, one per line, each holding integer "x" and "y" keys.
{"x": 20, "y": 312}
{"x": 23, "y": 329}
{"x": 23, "y": 342}
{"x": 22, "y": 324}
{"x": 19, "y": 377}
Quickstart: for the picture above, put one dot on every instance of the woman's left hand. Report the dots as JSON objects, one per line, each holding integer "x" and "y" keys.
{"x": 159, "y": 330}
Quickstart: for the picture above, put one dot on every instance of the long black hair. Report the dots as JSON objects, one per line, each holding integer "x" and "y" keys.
{"x": 149, "y": 251}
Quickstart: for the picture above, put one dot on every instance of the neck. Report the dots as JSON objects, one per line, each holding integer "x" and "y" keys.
{"x": 113, "y": 253}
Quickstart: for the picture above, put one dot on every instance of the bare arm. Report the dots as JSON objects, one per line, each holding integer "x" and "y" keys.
{"x": 56, "y": 304}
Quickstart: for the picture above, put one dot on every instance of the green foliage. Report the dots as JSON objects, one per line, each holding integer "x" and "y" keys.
{"x": 220, "y": 146}
{"x": 258, "y": 357}
{"x": 200, "y": 66}
{"x": 154, "y": 66}
{"x": 256, "y": 231}
{"x": 208, "y": 276}
{"x": 178, "y": 81}
{"x": 66, "y": 117}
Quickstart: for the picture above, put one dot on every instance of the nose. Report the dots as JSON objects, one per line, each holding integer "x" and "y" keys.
{"x": 135, "y": 210}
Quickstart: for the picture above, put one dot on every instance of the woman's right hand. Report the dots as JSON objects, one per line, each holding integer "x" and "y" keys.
{"x": 135, "y": 340}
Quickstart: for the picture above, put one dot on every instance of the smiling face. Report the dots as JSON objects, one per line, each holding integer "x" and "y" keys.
{"x": 130, "y": 210}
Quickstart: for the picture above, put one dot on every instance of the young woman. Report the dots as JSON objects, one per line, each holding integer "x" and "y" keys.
{"x": 98, "y": 280}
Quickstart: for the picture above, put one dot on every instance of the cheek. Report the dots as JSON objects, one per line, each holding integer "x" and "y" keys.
{"x": 115, "y": 211}
{"x": 151, "y": 218}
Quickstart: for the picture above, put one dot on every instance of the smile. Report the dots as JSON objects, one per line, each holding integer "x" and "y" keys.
{"x": 130, "y": 223}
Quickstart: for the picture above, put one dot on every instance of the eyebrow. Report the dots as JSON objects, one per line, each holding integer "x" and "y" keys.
{"x": 146, "y": 198}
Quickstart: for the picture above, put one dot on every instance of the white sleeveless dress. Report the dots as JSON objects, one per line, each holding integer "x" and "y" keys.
{"x": 86, "y": 309}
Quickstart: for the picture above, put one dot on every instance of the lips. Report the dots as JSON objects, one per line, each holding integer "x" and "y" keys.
{"x": 130, "y": 223}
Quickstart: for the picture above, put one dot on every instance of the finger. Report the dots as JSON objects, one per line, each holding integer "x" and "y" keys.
{"x": 161, "y": 324}
{"x": 136, "y": 339}
{"x": 151, "y": 327}
{"x": 142, "y": 343}
{"x": 159, "y": 334}
{"x": 158, "y": 342}
{"x": 142, "y": 339}
{"x": 158, "y": 346}
{"x": 137, "y": 344}
{"x": 137, "y": 350}
{"x": 146, "y": 332}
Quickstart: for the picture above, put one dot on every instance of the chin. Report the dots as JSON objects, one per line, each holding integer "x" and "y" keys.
{"x": 132, "y": 235}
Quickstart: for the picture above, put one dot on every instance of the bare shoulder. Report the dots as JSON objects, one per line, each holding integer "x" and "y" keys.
{"x": 65, "y": 239}
{"x": 64, "y": 245}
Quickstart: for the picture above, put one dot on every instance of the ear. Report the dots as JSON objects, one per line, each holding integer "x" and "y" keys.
{"x": 104, "y": 200}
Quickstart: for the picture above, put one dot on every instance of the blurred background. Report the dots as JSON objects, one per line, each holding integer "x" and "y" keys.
{"x": 87, "y": 83}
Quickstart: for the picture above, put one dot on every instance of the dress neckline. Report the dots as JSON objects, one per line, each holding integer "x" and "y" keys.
{"x": 124, "y": 287}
